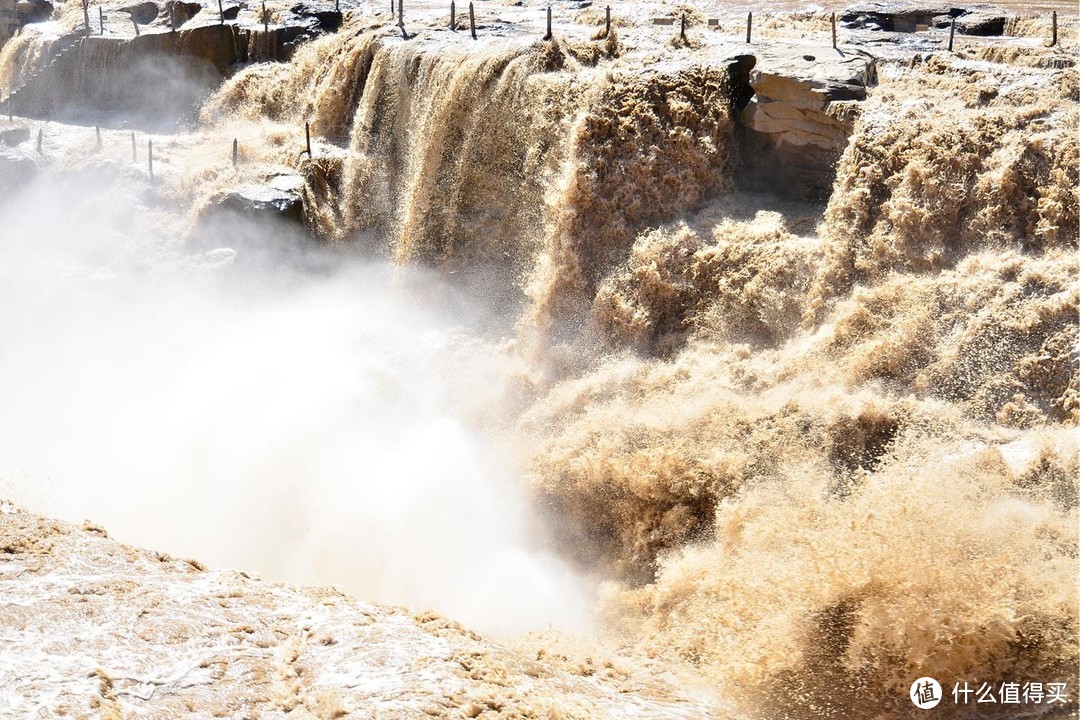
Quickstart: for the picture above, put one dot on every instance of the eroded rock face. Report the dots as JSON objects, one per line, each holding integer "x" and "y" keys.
{"x": 800, "y": 116}
{"x": 91, "y": 624}
{"x": 181, "y": 12}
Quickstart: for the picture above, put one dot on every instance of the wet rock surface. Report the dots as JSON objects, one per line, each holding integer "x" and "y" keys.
{"x": 92, "y": 623}
{"x": 279, "y": 198}
{"x": 984, "y": 20}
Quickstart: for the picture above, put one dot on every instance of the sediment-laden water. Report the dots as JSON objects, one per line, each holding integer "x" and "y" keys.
{"x": 537, "y": 355}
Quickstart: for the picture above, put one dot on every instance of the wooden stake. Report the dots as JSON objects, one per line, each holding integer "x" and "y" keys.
{"x": 1053, "y": 29}
{"x": 834, "y": 31}
{"x": 101, "y": 20}
{"x": 607, "y": 21}
{"x": 221, "y": 13}
{"x": 548, "y": 35}
{"x": 150, "y": 156}
{"x": 749, "y": 25}
{"x": 472, "y": 21}
{"x": 682, "y": 26}
{"x": 266, "y": 18}
{"x": 307, "y": 138}
{"x": 133, "y": 158}
{"x": 235, "y": 152}
{"x": 952, "y": 32}
{"x": 453, "y": 16}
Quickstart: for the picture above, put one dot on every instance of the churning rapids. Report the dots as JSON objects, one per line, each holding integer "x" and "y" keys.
{"x": 704, "y": 378}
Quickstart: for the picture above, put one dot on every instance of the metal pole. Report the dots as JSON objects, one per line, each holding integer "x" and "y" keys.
{"x": 472, "y": 21}
{"x": 749, "y": 25}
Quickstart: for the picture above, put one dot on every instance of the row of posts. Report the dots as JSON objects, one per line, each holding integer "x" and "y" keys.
{"x": 472, "y": 21}
{"x": 150, "y": 147}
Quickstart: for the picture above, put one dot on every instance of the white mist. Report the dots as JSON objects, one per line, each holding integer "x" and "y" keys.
{"x": 325, "y": 427}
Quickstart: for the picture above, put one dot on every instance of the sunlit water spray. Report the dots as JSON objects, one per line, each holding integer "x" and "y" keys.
{"x": 318, "y": 426}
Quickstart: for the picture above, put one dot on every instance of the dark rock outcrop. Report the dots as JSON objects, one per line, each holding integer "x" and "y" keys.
{"x": 143, "y": 13}
{"x": 279, "y": 198}
{"x": 983, "y": 20}
{"x": 327, "y": 20}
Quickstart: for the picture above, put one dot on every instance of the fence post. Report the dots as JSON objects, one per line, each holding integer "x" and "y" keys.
{"x": 1053, "y": 29}
{"x": 952, "y": 32}
{"x": 86, "y": 16}
{"x": 472, "y": 21}
{"x": 749, "y": 25}
{"x": 266, "y": 18}
{"x": 221, "y": 13}
{"x": 235, "y": 152}
{"x": 607, "y": 21}
{"x": 834, "y": 31}
{"x": 39, "y": 141}
{"x": 307, "y": 138}
{"x": 150, "y": 157}
{"x": 101, "y": 20}
{"x": 97, "y": 133}
{"x": 133, "y": 156}
{"x": 682, "y": 26}
{"x": 453, "y": 16}
{"x": 548, "y": 35}
{"x": 401, "y": 13}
